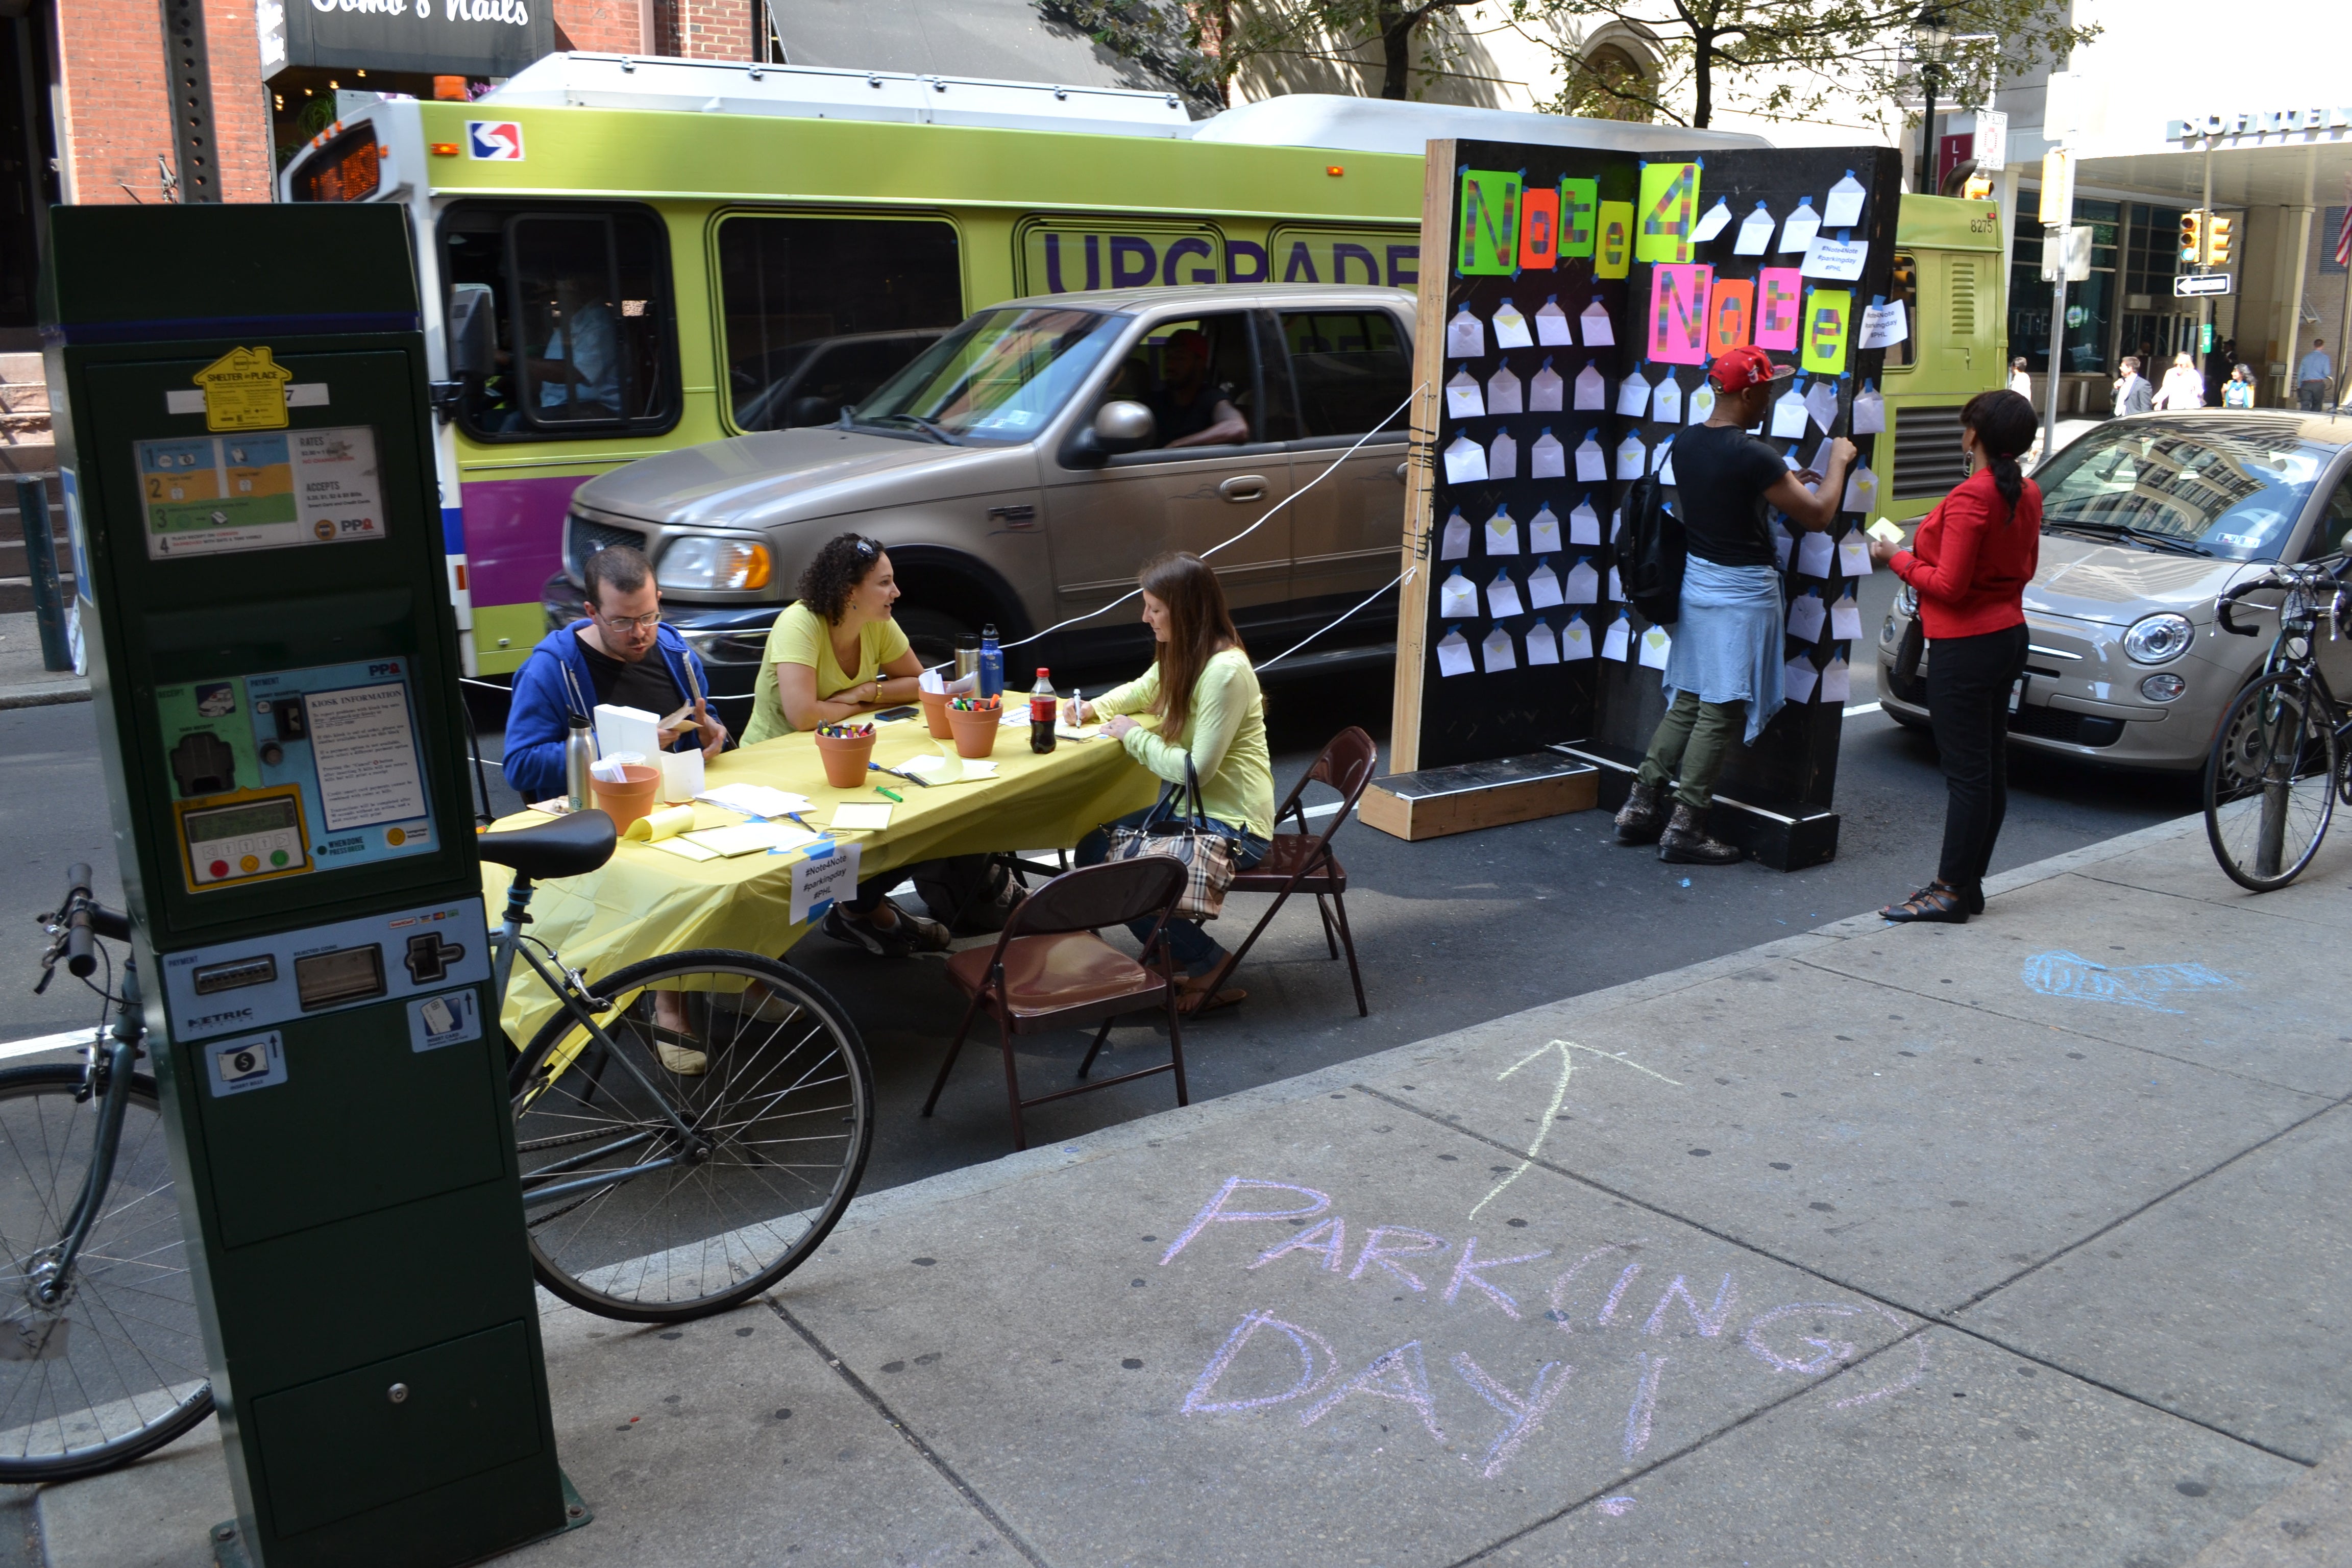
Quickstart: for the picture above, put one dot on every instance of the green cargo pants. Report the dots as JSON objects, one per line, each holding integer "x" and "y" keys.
{"x": 1690, "y": 745}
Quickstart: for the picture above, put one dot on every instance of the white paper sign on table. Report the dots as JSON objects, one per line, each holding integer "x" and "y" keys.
{"x": 1543, "y": 588}
{"x": 1543, "y": 532}
{"x": 1883, "y": 326}
{"x": 1545, "y": 390}
{"x": 1814, "y": 554}
{"x": 1599, "y": 332}
{"x": 1466, "y": 336}
{"x": 1702, "y": 403}
{"x": 1717, "y": 219}
{"x": 1821, "y": 402}
{"x": 1805, "y": 616}
{"x": 1846, "y": 619}
{"x": 1542, "y": 648}
{"x": 1853, "y": 555}
{"x": 1843, "y": 209}
{"x": 1800, "y": 679}
{"x": 1839, "y": 260}
{"x": 1502, "y": 532}
{"x": 1633, "y": 396}
{"x": 1616, "y": 588}
{"x": 1462, "y": 399}
{"x": 1465, "y": 461}
{"x": 1755, "y": 234}
{"x": 1655, "y": 648}
{"x": 1503, "y": 597}
{"x": 1503, "y": 458}
{"x": 1453, "y": 655}
{"x": 1505, "y": 394}
{"x": 1788, "y": 415}
{"x": 1500, "y": 655}
{"x": 1591, "y": 465}
{"x": 1575, "y": 640}
{"x": 1546, "y": 459}
{"x": 1666, "y": 402}
{"x": 1455, "y": 541}
{"x": 1511, "y": 327}
{"x": 1803, "y": 225}
{"x": 1457, "y": 596}
{"x": 1551, "y": 324}
{"x": 1861, "y": 492}
{"x": 829, "y": 872}
{"x": 1869, "y": 411}
{"x": 1632, "y": 459}
{"x": 1591, "y": 388}
{"x": 1613, "y": 642}
{"x": 1837, "y": 682}
{"x": 1584, "y": 524}
{"x": 1583, "y": 584}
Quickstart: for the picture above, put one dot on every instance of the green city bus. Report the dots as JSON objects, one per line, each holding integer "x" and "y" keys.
{"x": 780, "y": 239}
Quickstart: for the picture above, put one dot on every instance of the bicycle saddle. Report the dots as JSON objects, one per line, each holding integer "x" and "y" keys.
{"x": 567, "y": 847}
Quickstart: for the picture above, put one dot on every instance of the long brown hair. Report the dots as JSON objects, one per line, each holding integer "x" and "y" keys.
{"x": 1198, "y": 627}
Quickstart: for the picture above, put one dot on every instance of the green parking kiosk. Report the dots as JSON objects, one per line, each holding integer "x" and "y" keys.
{"x": 248, "y": 460}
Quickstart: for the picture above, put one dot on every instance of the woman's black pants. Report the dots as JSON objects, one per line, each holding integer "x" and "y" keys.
{"x": 1969, "y": 681}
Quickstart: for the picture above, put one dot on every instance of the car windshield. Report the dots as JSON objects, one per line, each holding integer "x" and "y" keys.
{"x": 2233, "y": 492}
{"x": 1000, "y": 376}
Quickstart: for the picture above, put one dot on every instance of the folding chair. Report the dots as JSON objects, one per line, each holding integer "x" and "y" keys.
{"x": 1049, "y": 971}
{"x": 1301, "y": 862}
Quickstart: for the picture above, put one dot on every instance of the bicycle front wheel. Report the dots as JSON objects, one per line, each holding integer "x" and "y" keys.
{"x": 702, "y": 1147}
{"x": 115, "y": 1366}
{"x": 2271, "y": 783}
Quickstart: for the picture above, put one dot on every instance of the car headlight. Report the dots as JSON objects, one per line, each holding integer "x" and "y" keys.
{"x": 1906, "y": 600}
{"x": 714, "y": 565}
{"x": 2159, "y": 639}
{"x": 2165, "y": 686}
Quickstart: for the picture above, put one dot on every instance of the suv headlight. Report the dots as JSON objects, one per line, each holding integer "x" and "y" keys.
{"x": 2159, "y": 639}
{"x": 714, "y": 565}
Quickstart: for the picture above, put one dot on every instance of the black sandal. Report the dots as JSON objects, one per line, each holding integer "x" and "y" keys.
{"x": 1937, "y": 903}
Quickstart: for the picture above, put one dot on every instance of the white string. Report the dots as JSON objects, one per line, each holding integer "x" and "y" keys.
{"x": 1310, "y": 637}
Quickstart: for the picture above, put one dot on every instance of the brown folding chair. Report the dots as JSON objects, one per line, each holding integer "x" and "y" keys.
{"x": 1049, "y": 971}
{"x": 1302, "y": 862}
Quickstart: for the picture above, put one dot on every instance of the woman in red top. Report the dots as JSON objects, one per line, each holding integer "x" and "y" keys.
{"x": 1970, "y": 564}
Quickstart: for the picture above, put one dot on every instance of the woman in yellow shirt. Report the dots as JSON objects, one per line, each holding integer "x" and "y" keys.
{"x": 838, "y": 654}
{"x": 1202, "y": 698}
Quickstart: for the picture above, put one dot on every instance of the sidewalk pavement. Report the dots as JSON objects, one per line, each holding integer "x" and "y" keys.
{"x": 23, "y": 682}
{"x": 2016, "y": 1243}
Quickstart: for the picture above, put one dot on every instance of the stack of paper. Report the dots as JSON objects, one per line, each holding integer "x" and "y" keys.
{"x": 755, "y": 800}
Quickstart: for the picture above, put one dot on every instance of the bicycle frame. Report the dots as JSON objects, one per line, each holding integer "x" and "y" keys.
{"x": 109, "y": 1077}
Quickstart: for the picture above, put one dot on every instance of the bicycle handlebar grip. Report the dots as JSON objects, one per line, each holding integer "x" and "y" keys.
{"x": 2222, "y": 605}
{"x": 80, "y": 961}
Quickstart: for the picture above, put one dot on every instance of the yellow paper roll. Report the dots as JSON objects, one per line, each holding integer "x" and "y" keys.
{"x": 662, "y": 824}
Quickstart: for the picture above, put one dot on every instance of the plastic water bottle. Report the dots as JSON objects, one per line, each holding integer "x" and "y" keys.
{"x": 1042, "y": 703}
{"x": 992, "y": 664}
{"x": 579, "y": 755}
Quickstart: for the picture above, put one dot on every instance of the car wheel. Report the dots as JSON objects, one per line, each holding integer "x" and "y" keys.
{"x": 932, "y": 633}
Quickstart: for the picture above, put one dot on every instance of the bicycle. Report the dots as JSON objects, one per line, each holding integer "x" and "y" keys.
{"x": 2283, "y": 755}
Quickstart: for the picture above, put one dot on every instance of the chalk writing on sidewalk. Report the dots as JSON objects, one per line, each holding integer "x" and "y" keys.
{"x": 1566, "y": 1050}
{"x": 2064, "y": 973}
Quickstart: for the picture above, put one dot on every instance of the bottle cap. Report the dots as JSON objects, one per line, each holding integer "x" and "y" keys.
{"x": 1043, "y": 673}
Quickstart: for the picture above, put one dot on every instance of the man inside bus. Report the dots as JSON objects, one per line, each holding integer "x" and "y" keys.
{"x": 1191, "y": 409}
{"x": 605, "y": 658}
{"x": 579, "y": 373}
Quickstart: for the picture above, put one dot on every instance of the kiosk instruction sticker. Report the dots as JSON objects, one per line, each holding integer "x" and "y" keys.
{"x": 209, "y": 494}
{"x": 365, "y": 754}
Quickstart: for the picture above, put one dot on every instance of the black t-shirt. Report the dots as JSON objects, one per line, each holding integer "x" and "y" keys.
{"x": 646, "y": 684}
{"x": 1721, "y": 473}
{"x": 1179, "y": 417}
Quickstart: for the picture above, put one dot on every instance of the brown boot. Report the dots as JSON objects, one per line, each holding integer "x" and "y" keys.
{"x": 1685, "y": 843}
{"x": 1643, "y": 816}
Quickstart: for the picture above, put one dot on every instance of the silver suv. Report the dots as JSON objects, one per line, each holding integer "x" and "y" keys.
{"x": 1021, "y": 468}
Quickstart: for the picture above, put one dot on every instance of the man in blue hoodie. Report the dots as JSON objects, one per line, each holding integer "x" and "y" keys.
{"x": 606, "y": 658}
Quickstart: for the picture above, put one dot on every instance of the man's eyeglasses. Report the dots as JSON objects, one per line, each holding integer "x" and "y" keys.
{"x": 646, "y": 622}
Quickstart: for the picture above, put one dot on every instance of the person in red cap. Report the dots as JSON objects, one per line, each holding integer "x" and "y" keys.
{"x": 1726, "y": 660}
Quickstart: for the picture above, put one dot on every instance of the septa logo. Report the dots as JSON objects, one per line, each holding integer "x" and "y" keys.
{"x": 499, "y": 140}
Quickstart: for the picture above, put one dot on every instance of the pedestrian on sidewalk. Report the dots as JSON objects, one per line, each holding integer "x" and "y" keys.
{"x": 2132, "y": 392}
{"x": 2183, "y": 388}
{"x": 2315, "y": 378}
{"x": 2019, "y": 381}
{"x": 1970, "y": 564}
{"x": 1726, "y": 658}
{"x": 2238, "y": 391}
{"x": 2219, "y": 366}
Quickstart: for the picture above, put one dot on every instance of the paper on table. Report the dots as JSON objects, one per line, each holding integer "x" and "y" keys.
{"x": 1666, "y": 402}
{"x": 1462, "y": 398}
{"x": 1545, "y": 389}
{"x": 1632, "y": 459}
{"x": 1612, "y": 644}
{"x": 1505, "y": 393}
{"x": 1503, "y": 597}
{"x": 1575, "y": 640}
{"x": 750, "y": 838}
{"x": 1457, "y": 596}
{"x": 1755, "y": 232}
{"x": 1853, "y": 555}
{"x": 1800, "y": 679}
{"x": 1837, "y": 681}
{"x": 1584, "y": 524}
{"x": 1656, "y": 644}
{"x": 681, "y": 774}
{"x": 1838, "y": 260}
{"x": 755, "y": 800}
{"x": 1583, "y": 584}
{"x": 1591, "y": 388}
{"x": 1454, "y": 543}
{"x": 1883, "y": 326}
{"x": 1453, "y": 655}
{"x": 1543, "y": 532}
{"x": 1543, "y": 646}
{"x": 1701, "y": 405}
{"x": 1594, "y": 323}
{"x": 1886, "y": 530}
{"x": 1861, "y": 492}
{"x": 1465, "y": 462}
{"x": 1821, "y": 403}
{"x": 1551, "y": 324}
{"x": 1803, "y": 225}
{"x": 1717, "y": 218}
{"x": 1592, "y": 466}
{"x": 662, "y": 824}
{"x": 1846, "y": 619}
{"x": 1869, "y": 411}
{"x": 1843, "y": 209}
{"x": 1511, "y": 327}
{"x": 1633, "y": 396}
{"x": 860, "y": 816}
{"x": 684, "y": 849}
{"x": 1788, "y": 413}
{"x": 613, "y": 767}
{"x": 1814, "y": 554}
{"x": 1545, "y": 460}
{"x": 1543, "y": 588}
{"x": 943, "y": 766}
{"x": 1498, "y": 652}
{"x": 1805, "y": 617}
{"x": 1466, "y": 336}
{"x": 1503, "y": 458}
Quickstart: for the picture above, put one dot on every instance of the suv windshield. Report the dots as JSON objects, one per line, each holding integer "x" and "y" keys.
{"x": 1000, "y": 376}
{"x": 2233, "y": 493}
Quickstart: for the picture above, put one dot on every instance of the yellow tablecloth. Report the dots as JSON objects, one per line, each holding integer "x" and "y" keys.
{"x": 646, "y": 902}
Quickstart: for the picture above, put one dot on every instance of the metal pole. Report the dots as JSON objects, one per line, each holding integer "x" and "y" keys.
{"x": 2054, "y": 241}
{"x": 2205, "y": 232}
{"x": 41, "y": 565}
{"x": 1925, "y": 185}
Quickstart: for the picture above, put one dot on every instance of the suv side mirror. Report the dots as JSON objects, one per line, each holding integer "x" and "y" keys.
{"x": 472, "y": 331}
{"x": 1118, "y": 427}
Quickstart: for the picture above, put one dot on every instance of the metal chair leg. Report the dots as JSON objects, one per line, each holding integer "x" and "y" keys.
{"x": 1176, "y": 1038}
{"x": 1363, "y": 1009}
{"x": 1100, "y": 1036}
{"x": 1012, "y": 1085}
{"x": 953, "y": 1049}
{"x": 1325, "y": 910}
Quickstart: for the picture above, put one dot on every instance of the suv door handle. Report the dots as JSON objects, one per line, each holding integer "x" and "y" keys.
{"x": 1243, "y": 487}
{"x": 1400, "y": 472}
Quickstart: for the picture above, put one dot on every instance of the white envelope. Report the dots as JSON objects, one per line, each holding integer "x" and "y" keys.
{"x": 1837, "y": 682}
{"x": 1883, "y": 326}
{"x": 1503, "y": 458}
{"x": 1599, "y": 332}
{"x": 1591, "y": 388}
{"x": 1551, "y": 324}
{"x": 1616, "y": 588}
{"x": 1788, "y": 415}
{"x": 1821, "y": 402}
{"x": 1543, "y": 588}
{"x": 1457, "y": 596}
{"x": 1632, "y": 459}
{"x": 1819, "y": 462}
{"x": 1700, "y": 406}
{"x": 1511, "y": 327}
{"x": 1782, "y": 545}
{"x": 1504, "y": 394}
{"x": 1803, "y": 225}
{"x": 1666, "y": 402}
{"x": 1846, "y": 619}
{"x": 1465, "y": 462}
{"x": 1853, "y": 555}
{"x": 1666, "y": 465}
{"x": 1814, "y": 556}
{"x": 1462, "y": 399}
{"x": 1843, "y": 209}
{"x": 1584, "y": 524}
{"x": 1455, "y": 544}
{"x": 1543, "y": 532}
{"x": 1755, "y": 236}
{"x": 1453, "y": 655}
{"x": 1656, "y": 646}
{"x": 1575, "y": 640}
{"x": 1466, "y": 336}
{"x": 1717, "y": 218}
{"x": 1839, "y": 260}
{"x": 1805, "y": 614}
{"x": 1633, "y": 396}
{"x": 1861, "y": 492}
{"x": 1542, "y": 648}
{"x": 1612, "y": 643}
{"x": 1583, "y": 584}
{"x": 1499, "y": 653}
{"x": 1869, "y": 411}
{"x": 1591, "y": 467}
{"x": 1503, "y": 597}
{"x": 1501, "y": 533}
{"x": 1545, "y": 460}
{"x": 1800, "y": 679}
{"x": 1545, "y": 390}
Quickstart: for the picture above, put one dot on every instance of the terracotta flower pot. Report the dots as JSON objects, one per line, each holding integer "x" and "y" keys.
{"x": 627, "y": 802}
{"x": 975, "y": 729}
{"x": 935, "y": 714}
{"x": 845, "y": 759}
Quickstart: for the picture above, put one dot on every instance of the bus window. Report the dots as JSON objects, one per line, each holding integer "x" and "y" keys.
{"x": 580, "y": 301}
{"x": 1905, "y": 285}
{"x": 822, "y": 310}
{"x": 1351, "y": 370}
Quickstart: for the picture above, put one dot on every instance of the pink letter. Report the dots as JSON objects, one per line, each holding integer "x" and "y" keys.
{"x": 1726, "y": 1296}
{"x": 1305, "y": 1242}
{"x": 1198, "y": 1400}
{"x": 1376, "y": 1251}
{"x": 1465, "y": 1272}
{"x": 1214, "y": 1212}
{"x": 1678, "y": 294}
{"x": 1521, "y": 1416}
{"x": 1399, "y": 1374}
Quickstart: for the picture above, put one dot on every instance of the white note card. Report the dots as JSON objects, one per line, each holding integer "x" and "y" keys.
{"x": 1702, "y": 403}
{"x": 1838, "y": 260}
{"x": 1846, "y": 619}
{"x": 1632, "y": 459}
{"x": 1503, "y": 458}
{"x": 1545, "y": 390}
{"x": 1498, "y": 651}
{"x": 1837, "y": 682}
{"x": 1717, "y": 219}
{"x": 1592, "y": 466}
{"x": 1501, "y": 533}
{"x": 1466, "y": 336}
{"x": 1505, "y": 394}
{"x": 1800, "y": 679}
{"x": 1465, "y": 462}
{"x": 1803, "y": 225}
{"x": 1545, "y": 460}
{"x": 1843, "y": 209}
{"x": 1543, "y": 588}
{"x": 1575, "y": 640}
{"x": 1453, "y": 655}
{"x": 1821, "y": 403}
{"x": 1861, "y": 492}
{"x": 1789, "y": 414}
{"x": 1666, "y": 402}
{"x": 1782, "y": 545}
{"x": 1543, "y": 532}
{"x": 1542, "y": 648}
{"x": 1869, "y": 411}
{"x": 1883, "y": 326}
{"x": 1853, "y": 555}
{"x": 1455, "y": 541}
{"x": 1461, "y": 396}
{"x": 1511, "y": 327}
{"x": 1599, "y": 333}
{"x": 1805, "y": 616}
{"x": 1612, "y": 643}
{"x": 1551, "y": 324}
{"x": 1633, "y": 396}
{"x": 1616, "y": 587}
{"x": 1583, "y": 585}
{"x": 1503, "y": 597}
{"x": 1814, "y": 556}
{"x": 1458, "y": 597}
{"x": 1584, "y": 524}
{"x": 1591, "y": 388}
{"x": 1755, "y": 234}
{"x": 1656, "y": 646}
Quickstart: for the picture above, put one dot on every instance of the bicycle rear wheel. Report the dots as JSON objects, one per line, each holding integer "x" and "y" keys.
{"x": 2271, "y": 783}
{"x": 118, "y": 1367}
{"x": 657, "y": 1188}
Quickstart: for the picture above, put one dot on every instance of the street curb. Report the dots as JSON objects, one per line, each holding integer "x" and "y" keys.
{"x": 43, "y": 696}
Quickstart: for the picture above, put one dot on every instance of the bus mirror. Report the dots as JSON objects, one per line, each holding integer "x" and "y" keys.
{"x": 473, "y": 331}
{"x": 1122, "y": 426}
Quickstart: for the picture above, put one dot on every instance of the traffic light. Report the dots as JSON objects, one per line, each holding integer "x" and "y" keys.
{"x": 2192, "y": 236}
{"x": 2217, "y": 241}
{"x": 1979, "y": 188}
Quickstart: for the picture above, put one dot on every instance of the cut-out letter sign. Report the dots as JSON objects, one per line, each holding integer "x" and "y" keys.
{"x": 1778, "y": 291}
{"x": 1678, "y": 318}
{"x": 1488, "y": 242}
{"x": 1538, "y": 230}
{"x": 1829, "y": 317}
{"x": 1614, "y": 254}
{"x": 1579, "y": 200}
{"x": 1730, "y": 314}
{"x": 1669, "y": 209}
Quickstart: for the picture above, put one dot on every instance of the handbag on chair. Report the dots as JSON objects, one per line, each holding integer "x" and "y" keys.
{"x": 1206, "y": 854}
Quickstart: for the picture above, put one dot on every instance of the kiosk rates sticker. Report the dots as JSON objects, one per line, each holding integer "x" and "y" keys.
{"x": 210, "y": 494}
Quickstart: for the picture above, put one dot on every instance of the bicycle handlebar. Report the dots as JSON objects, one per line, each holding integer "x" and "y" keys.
{"x": 80, "y": 961}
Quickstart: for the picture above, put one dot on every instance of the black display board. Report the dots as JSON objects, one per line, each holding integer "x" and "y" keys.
{"x": 1613, "y": 219}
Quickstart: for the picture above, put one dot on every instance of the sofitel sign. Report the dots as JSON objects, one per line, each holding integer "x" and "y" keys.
{"x": 449, "y": 38}
{"x": 2267, "y": 123}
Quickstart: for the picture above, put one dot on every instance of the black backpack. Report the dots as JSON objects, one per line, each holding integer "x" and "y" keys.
{"x": 1651, "y": 551}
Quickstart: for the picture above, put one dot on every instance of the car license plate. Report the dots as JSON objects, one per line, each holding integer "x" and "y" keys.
{"x": 2017, "y": 693}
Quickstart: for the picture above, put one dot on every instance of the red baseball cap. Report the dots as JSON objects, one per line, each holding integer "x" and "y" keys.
{"x": 1736, "y": 370}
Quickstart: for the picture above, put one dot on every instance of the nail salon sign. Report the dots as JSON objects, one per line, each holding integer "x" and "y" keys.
{"x": 446, "y": 38}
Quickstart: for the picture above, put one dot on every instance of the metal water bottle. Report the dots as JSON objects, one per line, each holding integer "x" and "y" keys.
{"x": 1043, "y": 701}
{"x": 992, "y": 664}
{"x": 579, "y": 753}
